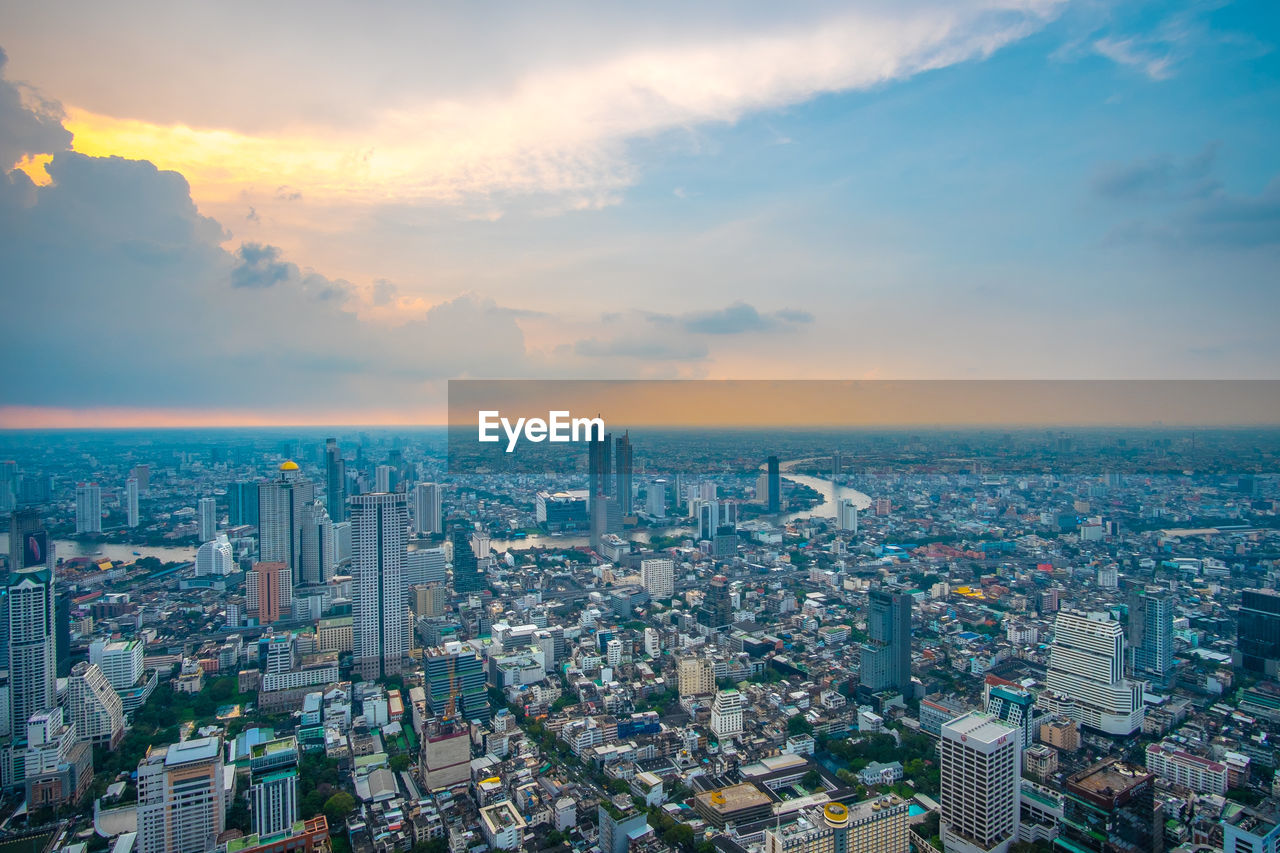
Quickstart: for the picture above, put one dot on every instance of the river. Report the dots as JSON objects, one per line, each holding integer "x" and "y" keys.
{"x": 67, "y": 549}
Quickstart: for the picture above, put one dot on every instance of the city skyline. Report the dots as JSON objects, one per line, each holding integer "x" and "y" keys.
{"x": 925, "y": 190}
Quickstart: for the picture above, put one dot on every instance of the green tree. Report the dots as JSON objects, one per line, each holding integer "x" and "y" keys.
{"x": 798, "y": 725}
{"x": 338, "y": 807}
{"x": 812, "y": 780}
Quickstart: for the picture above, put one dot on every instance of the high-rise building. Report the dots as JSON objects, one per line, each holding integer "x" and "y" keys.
{"x": 428, "y": 508}
{"x": 142, "y": 473}
{"x": 384, "y": 479}
{"x": 456, "y": 684}
{"x": 1111, "y": 808}
{"x": 273, "y": 785}
{"x": 623, "y": 470}
{"x": 617, "y": 828}
{"x": 426, "y": 566}
{"x": 1151, "y": 634}
{"x": 335, "y": 478}
{"x": 380, "y": 532}
{"x": 726, "y": 714}
{"x": 280, "y": 504}
{"x": 657, "y": 575}
{"x": 32, "y": 645}
{"x": 847, "y": 515}
{"x": 94, "y": 706}
{"x": 317, "y": 545}
{"x": 878, "y": 825}
{"x": 57, "y": 764}
{"x": 181, "y": 800}
{"x": 695, "y": 676}
{"x": 717, "y": 606}
{"x": 599, "y": 468}
{"x": 1258, "y": 632}
{"x": 1252, "y": 830}
{"x": 132, "y": 517}
{"x": 207, "y": 515}
{"x": 215, "y": 557}
{"x": 1015, "y": 707}
{"x": 710, "y": 514}
{"x": 8, "y": 485}
{"x": 655, "y": 499}
{"x": 428, "y": 600}
{"x": 88, "y": 508}
{"x": 1086, "y": 662}
{"x": 121, "y": 661}
{"x": 29, "y": 543}
{"x": 242, "y": 503}
{"x": 773, "y": 497}
{"x": 981, "y": 764}
{"x": 466, "y": 569}
{"x": 269, "y": 592}
{"x": 886, "y": 656}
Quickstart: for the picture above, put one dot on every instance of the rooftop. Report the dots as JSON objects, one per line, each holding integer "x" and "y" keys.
{"x": 1109, "y": 778}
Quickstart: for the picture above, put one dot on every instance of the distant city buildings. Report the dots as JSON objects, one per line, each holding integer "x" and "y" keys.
{"x": 280, "y": 504}
{"x": 88, "y": 508}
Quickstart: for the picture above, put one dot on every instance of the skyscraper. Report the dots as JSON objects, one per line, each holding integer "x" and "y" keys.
{"x": 94, "y": 705}
{"x": 1111, "y": 808}
{"x": 273, "y": 787}
{"x": 847, "y": 515}
{"x": 1258, "y": 632}
{"x": 726, "y": 714}
{"x": 456, "y": 684}
{"x": 717, "y": 607}
{"x": 215, "y": 557}
{"x": 335, "y": 479}
{"x": 466, "y": 569}
{"x": 181, "y": 804}
{"x": 280, "y": 504}
{"x": 32, "y": 644}
{"x": 269, "y": 591}
{"x": 623, "y": 468}
{"x": 886, "y": 656}
{"x": 142, "y": 473}
{"x": 1151, "y": 634}
{"x": 317, "y": 545}
{"x": 29, "y": 544}
{"x": 981, "y": 761}
{"x": 242, "y": 503}
{"x": 8, "y": 485}
{"x": 428, "y": 510}
{"x": 599, "y": 468}
{"x": 657, "y": 575}
{"x": 773, "y": 498}
{"x": 88, "y": 508}
{"x": 1015, "y": 707}
{"x": 426, "y": 566}
{"x": 384, "y": 478}
{"x": 380, "y": 534}
{"x": 131, "y": 502}
{"x": 1087, "y": 662}
{"x": 207, "y": 514}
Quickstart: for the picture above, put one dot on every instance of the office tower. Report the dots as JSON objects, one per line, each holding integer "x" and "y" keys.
{"x": 62, "y": 632}
{"x": 456, "y": 684}
{"x": 1015, "y": 707}
{"x": 981, "y": 763}
{"x": 181, "y": 803}
{"x": 242, "y": 503}
{"x": 215, "y": 557}
{"x": 724, "y": 544}
{"x": 711, "y": 514}
{"x": 718, "y": 605}
{"x": 269, "y": 592}
{"x": 280, "y": 504}
{"x": 207, "y": 514}
{"x": 342, "y": 542}
{"x": 1086, "y": 662}
{"x": 657, "y": 575}
{"x": 95, "y": 707}
{"x": 8, "y": 485}
{"x": 273, "y": 785}
{"x": 466, "y": 570}
{"x": 1109, "y": 807}
{"x": 131, "y": 502}
{"x": 426, "y": 566}
{"x": 1151, "y": 634}
{"x": 88, "y": 508}
{"x": 384, "y": 479}
{"x": 886, "y": 656}
{"x": 32, "y": 645}
{"x": 847, "y": 515}
{"x": 142, "y": 473}
{"x": 1258, "y": 632}
{"x": 623, "y": 470}
{"x": 599, "y": 468}
{"x": 428, "y": 510}
{"x": 656, "y": 499}
{"x": 29, "y": 543}
{"x": 429, "y": 600}
{"x": 773, "y": 497}
{"x": 726, "y": 714}
{"x": 380, "y": 533}
{"x": 317, "y": 545}
{"x": 119, "y": 660}
{"x": 837, "y": 464}
{"x": 57, "y": 764}
{"x": 695, "y": 676}
{"x": 335, "y": 479}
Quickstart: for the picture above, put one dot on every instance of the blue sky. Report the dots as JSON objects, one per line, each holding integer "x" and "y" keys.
{"x": 923, "y": 189}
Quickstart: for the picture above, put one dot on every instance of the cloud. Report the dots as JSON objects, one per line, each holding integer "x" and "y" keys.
{"x": 644, "y": 348}
{"x": 735, "y": 319}
{"x": 1135, "y": 53}
{"x": 29, "y": 124}
{"x": 562, "y": 128}
{"x": 260, "y": 266}
{"x": 1159, "y": 177}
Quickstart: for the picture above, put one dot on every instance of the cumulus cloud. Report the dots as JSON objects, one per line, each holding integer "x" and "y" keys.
{"x": 29, "y": 124}
{"x": 735, "y": 319}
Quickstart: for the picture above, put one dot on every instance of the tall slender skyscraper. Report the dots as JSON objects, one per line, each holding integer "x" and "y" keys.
{"x": 1151, "y": 634}
{"x": 623, "y": 467}
{"x": 466, "y": 570}
{"x": 599, "y": 468}
{"x": 242, "y": 503}
{"x": 1086, "y": 662}
{"x": 886, "y": 657}
{"x": 280, "y": 504}
{"x": 380, "y": 539}
{"x": 88, "y": 508}
{"x": 207, "y": 515}
{"x": 131, "y": 501}
{"x": 318, "y": 544}
{"x": 29, "y": 544}
{"x": 428, "y": 509}
{"x": 773, "y": 500}
{"x": 981, "y": 761}
{"x": 273, "y": 789}
{"x": 33, "y": 657}
{"x": 335, "y": 480}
